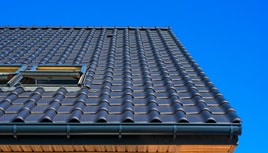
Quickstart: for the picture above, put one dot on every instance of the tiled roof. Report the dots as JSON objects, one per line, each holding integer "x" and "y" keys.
{"x": 134, "y": 75}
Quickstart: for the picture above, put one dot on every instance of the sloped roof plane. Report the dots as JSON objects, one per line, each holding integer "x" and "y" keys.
{"x": 140, "y": 86}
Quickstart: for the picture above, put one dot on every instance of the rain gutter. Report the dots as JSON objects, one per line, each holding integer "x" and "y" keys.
{"x": 119, "y": 129}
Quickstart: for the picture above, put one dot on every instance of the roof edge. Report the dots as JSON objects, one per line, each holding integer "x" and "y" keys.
{"x": 120, "y": 129}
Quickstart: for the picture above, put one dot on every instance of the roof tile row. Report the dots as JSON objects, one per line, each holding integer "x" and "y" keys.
{"x": 80, "y": 104}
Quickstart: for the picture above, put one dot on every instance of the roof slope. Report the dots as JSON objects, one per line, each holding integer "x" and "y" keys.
{"x": 135, "y": 75}
{"x": 139, "y": 75}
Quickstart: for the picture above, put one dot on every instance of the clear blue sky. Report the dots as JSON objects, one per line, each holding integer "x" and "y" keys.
{"x": 228, "y": 38}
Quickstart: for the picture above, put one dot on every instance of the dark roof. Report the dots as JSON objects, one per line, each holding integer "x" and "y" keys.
{"x": 134, "y": 75}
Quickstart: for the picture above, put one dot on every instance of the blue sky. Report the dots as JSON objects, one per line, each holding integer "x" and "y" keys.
{"x": 228, "y": 38}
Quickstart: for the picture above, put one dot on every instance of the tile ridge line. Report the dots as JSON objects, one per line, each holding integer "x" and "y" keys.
{"x": 86, "y": 27}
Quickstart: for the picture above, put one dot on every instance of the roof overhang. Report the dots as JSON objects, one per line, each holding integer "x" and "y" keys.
{"x": 120, "y": 148}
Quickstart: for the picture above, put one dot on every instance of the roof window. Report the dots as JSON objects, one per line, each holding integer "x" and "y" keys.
{"x": 53, "y": 75}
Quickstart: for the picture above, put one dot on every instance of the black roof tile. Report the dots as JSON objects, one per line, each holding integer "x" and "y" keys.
{"x": 134, "y": 75}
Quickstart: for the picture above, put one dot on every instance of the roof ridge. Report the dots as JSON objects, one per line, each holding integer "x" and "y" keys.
{"x": 87, "y": 27}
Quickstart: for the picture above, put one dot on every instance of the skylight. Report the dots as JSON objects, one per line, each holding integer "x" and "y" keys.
{"x": 53, "y": 75}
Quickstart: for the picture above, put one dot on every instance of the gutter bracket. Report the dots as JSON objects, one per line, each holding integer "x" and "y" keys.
{"x": 174, "y": 132}
{"x": 15, "y": 131}
{"x": 120, "y": 132}
{"x": 68, "y": 132}
{"x": 231, "y": 132}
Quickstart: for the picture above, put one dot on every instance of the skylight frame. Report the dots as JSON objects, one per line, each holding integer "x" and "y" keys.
{"x": 10, "y": 72}
{"x": 47, "y": 75}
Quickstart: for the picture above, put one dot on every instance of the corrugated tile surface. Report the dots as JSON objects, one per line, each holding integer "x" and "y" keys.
{"x": 138, "y": 75}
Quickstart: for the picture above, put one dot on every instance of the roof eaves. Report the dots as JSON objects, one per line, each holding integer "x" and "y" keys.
{"x": 119, "y": 133}
{"x": 120, "y": 129}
